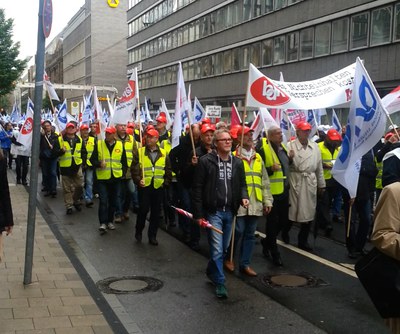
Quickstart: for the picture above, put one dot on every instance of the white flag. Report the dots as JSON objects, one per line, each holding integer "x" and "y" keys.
{"x": 50, "y": 88}
{"x": 391, "y": 101}
{"x": 164, "y": 111}
{"x": 61, "y": 119}
{"x": 335, "y": 122}
{"x": 123, "y": 112}
{"x": 180, "y": 105}
{"x": 198, "y": 110}
{"x": 365, "y": 127}
{"x": 25, "y": 134}
{"x": 101, "y": 126}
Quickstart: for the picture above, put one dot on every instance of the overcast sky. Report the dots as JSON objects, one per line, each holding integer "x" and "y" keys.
{"x": 25, "y": 14}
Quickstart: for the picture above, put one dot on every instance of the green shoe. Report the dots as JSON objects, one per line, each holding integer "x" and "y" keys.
{"x": 221, "y": 292}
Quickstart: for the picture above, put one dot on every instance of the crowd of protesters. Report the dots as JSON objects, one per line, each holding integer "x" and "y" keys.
{"x": 220, "y": 174}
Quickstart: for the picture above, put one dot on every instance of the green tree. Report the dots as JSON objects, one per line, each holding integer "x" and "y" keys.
{"x": 10, "y": 66}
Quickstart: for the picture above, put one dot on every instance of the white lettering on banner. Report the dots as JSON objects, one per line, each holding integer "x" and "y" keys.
{"x": 334, "y": 89}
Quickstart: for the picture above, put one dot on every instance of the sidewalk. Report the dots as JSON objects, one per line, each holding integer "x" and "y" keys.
{"x": 57, "y": 301}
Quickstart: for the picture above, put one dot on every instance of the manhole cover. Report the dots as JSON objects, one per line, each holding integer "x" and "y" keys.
{"x": 289, "y": 280}
{"x": 292, "y": 280}
{"x": 129, "y": 284}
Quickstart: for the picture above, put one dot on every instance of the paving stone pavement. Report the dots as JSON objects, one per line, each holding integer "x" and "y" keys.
{"x": 57, "y": 300}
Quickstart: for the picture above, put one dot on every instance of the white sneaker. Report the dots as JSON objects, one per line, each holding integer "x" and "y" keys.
{"x": 103, "y": 228}
{"x": 111, "y": 226}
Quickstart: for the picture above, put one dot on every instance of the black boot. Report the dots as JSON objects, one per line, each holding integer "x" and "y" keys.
{"x": 303, "y": 236}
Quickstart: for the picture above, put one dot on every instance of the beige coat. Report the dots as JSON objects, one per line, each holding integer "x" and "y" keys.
{"x": 306, "y": 175}
{"x": 386, "y": 232}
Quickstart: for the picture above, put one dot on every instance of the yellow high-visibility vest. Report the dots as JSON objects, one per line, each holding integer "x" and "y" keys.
{"x": 66, "y": 158}
{"x": 378, "y": 180}
{"x": 327, "y": 157}
{"x": 167, "y": 146}
{"x": 254, "y": 176}
{"x": 128, "y": 145}
{"x": 277, "y": 179}
{"x": 151, "y": 171}
{"x": 113, "y": 161}
{"x": 89, "y": 148}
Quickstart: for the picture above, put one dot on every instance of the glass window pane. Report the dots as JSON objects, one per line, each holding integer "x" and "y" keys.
{"x": 220, "y": 25}
{"x": 292, "y": 44}
{"x": 267, "y": 52}
{"x": 279, "y": 50}
{"x": 204, "y": 21}
{"x": 212, "y": 22}
{"x": 228, "y": 16}
{"x": 381, "y": 25}
{"x": 191, "y": 70}
{"x": 322, "y": 39}
{"x": 246, "y": 10}
{"x": 257, "y": 8}
{"x": 197, "y": 69}
{"x": 245, "y": 59}
{"x": 185, "y": 35}
{"x": 218, "y": 63}
{"x": 236, "y": 59}
{"x": 269, "y": 6}
{"x": 397, "y": 23}
{"x": 206, "y": 67}
{"x": 255, "y": 51}
{"x": 280, "y": 4}
{"x": 306, "y": 43}
{"x": 340, "y": 35}
{"x": 359, "y": 31}
{"x": 227, "y": 61}
{"x": 236, "y": 14}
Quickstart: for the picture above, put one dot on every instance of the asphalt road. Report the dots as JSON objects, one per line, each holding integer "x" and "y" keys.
{"x": 333, "y": 301}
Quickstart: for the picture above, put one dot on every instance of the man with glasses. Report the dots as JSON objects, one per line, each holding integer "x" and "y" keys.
{"x": 218, "y": 189}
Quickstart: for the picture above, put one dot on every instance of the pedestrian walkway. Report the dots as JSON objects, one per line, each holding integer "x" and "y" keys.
{"x": 57, "y": 301}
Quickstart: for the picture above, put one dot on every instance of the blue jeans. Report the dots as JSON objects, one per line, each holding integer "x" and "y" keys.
{"x": 218, "y": 244}
{"x": 109, "y": 195}
{"x": 89, "y": 184}
{"x": 49, "y": 174}
{"x": 245, "y": 228}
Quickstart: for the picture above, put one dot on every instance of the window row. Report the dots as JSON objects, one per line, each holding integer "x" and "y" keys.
{"x": 163, "y": 9}
{"x": 216, "y": 21}
{"x": 133, "y": 3}
{"x": 340, "y": 35}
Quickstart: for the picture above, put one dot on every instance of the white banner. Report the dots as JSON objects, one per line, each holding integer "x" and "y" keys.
{"x": 25, "y": 134}
{"x": 123, "y": 113}
{"x": 365, "y": 127}
{"x": 332, "y": 90}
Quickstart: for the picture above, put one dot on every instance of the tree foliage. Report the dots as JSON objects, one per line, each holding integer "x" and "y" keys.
{"x": 10, "y": 66}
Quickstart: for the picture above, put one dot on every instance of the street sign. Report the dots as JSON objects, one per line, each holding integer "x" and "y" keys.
{"x": 75, "y": 108}
{"x": 213, "y": 111}
{"x": 47, "y": 17}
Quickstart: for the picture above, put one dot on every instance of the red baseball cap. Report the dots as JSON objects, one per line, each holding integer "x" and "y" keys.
{"x": 303, "y": 126}
{"x": 152, "y": 133}
{"x": 129, "y": 131}
{"x": 70, "y": 125}
{"x": 246, "y": 130}
{"x": 161, "y": 119}
{"x": 206, "y": 121}
{"x": 388, "y": 135}
{"x": 84, "y": 127}
{"x": 131, "y": 125}
{"x": 206, "y": 127}
{"x": 234, "y": 130}
{"x": 111, "y": 130}
{"x": 332, "y": 134}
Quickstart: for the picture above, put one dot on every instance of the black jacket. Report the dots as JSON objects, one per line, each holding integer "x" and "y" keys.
{"x": 46, "y": 152}
{"x": 204, "y": 185}
{"x": 6, "y": 214}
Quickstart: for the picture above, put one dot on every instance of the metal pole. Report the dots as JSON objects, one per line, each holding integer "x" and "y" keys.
{"x": 30, "y": 232}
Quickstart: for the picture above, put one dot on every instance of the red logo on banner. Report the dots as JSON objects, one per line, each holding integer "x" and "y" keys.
{"x": 129, "y": 92}
{"x": 265, "y": 92}
{"x": 28, "y": 126}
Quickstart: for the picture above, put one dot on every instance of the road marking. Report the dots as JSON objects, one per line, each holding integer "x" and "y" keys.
{"x": 344, "y": 268}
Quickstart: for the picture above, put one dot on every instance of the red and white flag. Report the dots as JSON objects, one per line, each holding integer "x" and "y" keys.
{"x": 391, "y": 101}
{"x": 25, "y": 134}
{"x": 50, "y": 88}
{"x": 101, "y": 126}
{"x": 123, "y": 112}
{"x": 180, "y": 107}
{"x": 263, "y": 121}
{"x": 235, "y": 117}
{"x": 164, "y": 112}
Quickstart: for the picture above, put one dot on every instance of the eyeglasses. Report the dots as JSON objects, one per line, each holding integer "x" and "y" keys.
{"x": 226, "y": 140}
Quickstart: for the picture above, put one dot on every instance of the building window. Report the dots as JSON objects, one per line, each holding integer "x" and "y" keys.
{"x": 245, "y": 58}
{"x": 381, "y": 26}
{"x": 269, "y": 6}
{"x": 218, "y": 63}
{"x": 227, "y": 61}
{"x": 257, "y": 8}
{"x": 340, "y": 35}
{"x": 292, "y": 44}
{"x": 236, "y": 59}
{"x": 206, "y": 67}
{"x": 236, "y": 13}
{"x": 279, "y": 4}
{"x": 359, "y": 31}
{"x": 246, "y": 10}
{"x": 204, "y": 26}
{"x": 267, "y": 52}
{"x": 397, "y": 23}
{"x": 279, "y": 50}
{"x": 220, "y": 19}
{"x": 212, "y": 23}
{"x": 306, "y": 43}
{"x": 255, "y": 51}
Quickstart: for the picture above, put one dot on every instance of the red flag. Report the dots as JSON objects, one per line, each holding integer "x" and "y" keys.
{"x": 235, "y": 118}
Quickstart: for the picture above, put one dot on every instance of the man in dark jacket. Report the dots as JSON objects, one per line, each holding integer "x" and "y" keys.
{"x": 218, "y": 189}
{"x": 6, "y": 214}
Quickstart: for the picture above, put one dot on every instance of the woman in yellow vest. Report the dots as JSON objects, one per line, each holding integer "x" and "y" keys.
{"x": 151, "y": 172}
{"x": 260, "y": 202}
{"x": 109, "y": 159}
